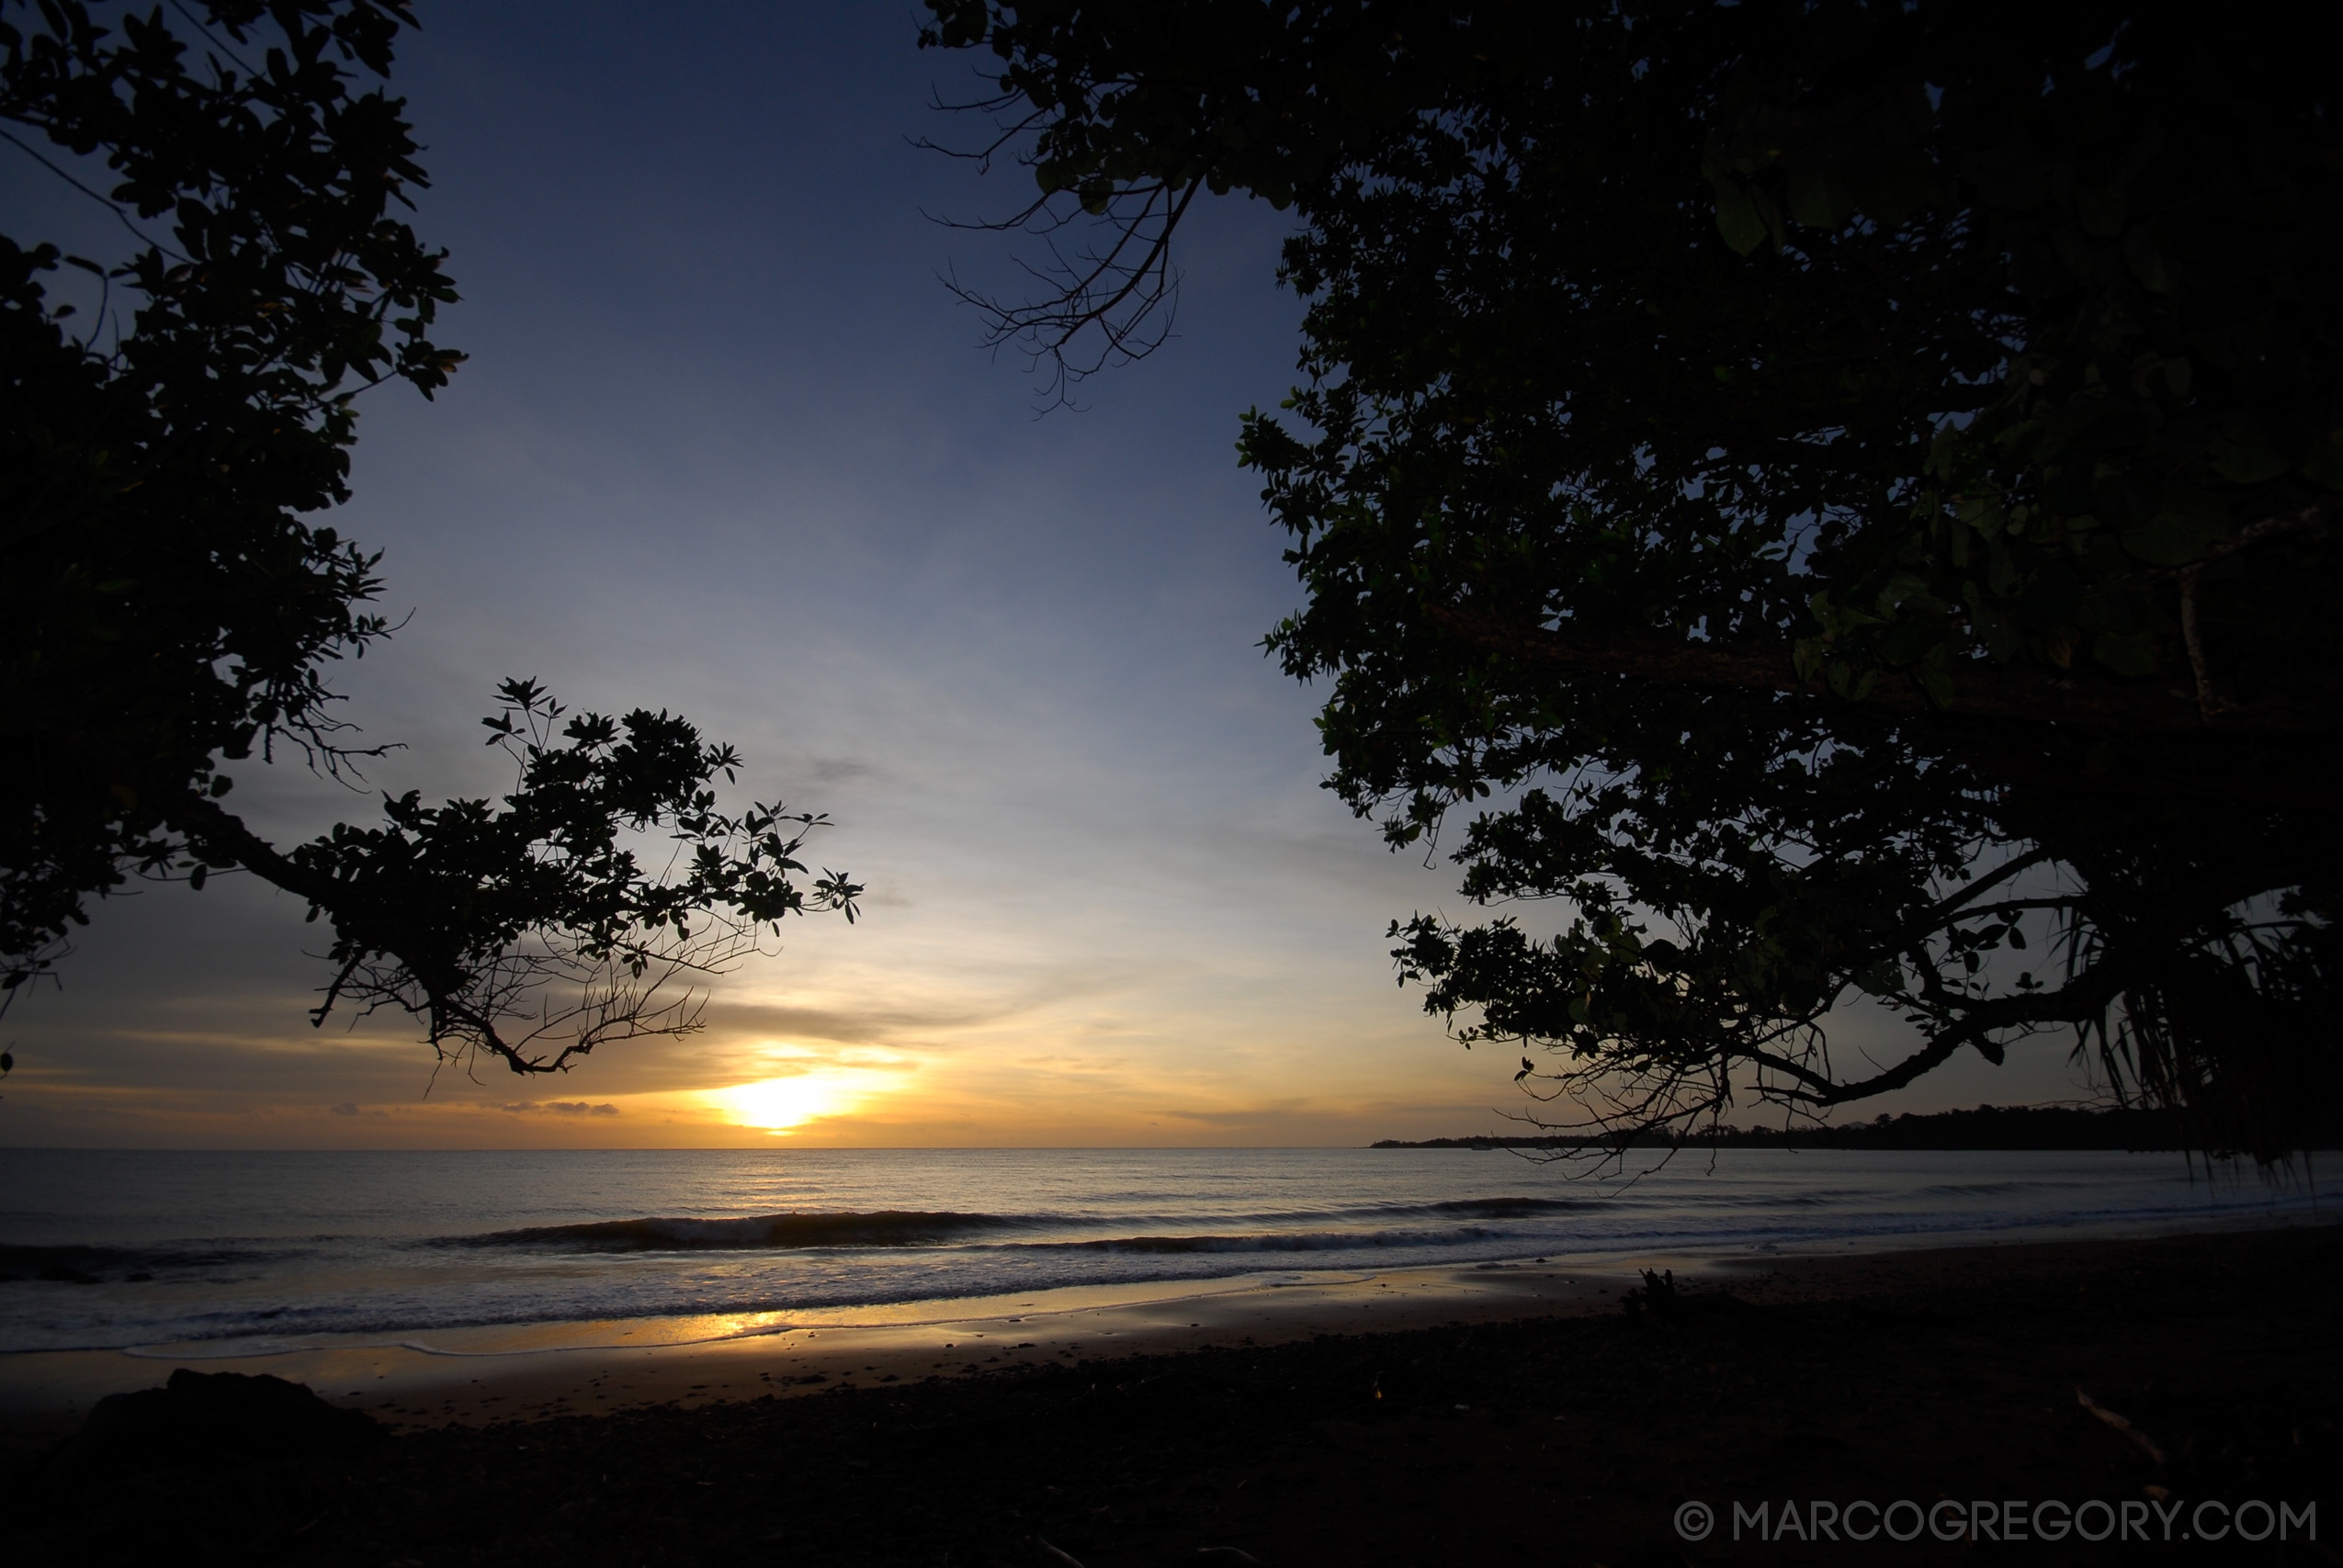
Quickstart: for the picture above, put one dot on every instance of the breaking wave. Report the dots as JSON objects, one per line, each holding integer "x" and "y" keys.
{"x": 899, "y": 1227}
{"x": 755, "y": 1233}
{"x": 95, "y": 1265}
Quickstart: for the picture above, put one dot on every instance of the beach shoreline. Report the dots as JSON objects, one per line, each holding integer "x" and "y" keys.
{"x": 688, "y": 1361}
{"x": 533, "y": 1371}
{"x": 1535, "y": 1428}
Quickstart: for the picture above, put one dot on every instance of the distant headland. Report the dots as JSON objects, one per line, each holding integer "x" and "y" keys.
{"x": 2044, "y": 1128}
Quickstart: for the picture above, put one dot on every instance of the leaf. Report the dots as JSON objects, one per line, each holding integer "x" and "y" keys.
{"x": 2129, "y": 654}
{"x": 1889, "y": 193}
{"x": 2243, "y": 453}
{"x": 2007, "y": 176}
{"x": 1771, "y": 213}
{"x": 1738, "y": 218}
{"x": 2324, "y": 465}
{"x": 2147, "y": 262}
{"x": 1820, "y": 198}
{"x": 2101, "y": 210}
{"x": 1885, "y": 978}
{"x": 2173, "y": 539}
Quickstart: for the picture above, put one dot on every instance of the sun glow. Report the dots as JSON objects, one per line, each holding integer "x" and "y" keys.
{"x": 821, "y": 1089}
{"x": 778, "y": 1104}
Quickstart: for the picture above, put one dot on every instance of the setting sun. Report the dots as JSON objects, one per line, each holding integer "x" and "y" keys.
{"x": 778, "y": 1104}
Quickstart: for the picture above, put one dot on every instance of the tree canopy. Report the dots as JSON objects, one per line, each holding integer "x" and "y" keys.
{"x": 174, "y": 604}
{"x": 1839, "y": 497}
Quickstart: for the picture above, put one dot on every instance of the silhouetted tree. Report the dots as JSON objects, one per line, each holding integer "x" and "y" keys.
{"x": 1851, "y": 486}
{"x": 173, "y": 605}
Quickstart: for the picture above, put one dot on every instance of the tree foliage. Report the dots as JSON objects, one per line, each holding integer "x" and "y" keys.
{"x": 1847, "y": 489}
{"x": 536, "y": 931}
{"x": 175, "y": 603}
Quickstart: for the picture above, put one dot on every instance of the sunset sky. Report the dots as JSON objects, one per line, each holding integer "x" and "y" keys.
{"x": 725, "y": 446}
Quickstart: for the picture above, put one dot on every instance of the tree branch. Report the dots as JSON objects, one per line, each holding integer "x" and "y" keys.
{"x": 2002, "y": 693}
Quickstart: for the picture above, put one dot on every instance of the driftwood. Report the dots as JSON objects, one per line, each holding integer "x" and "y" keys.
{"x": 1228, "y": 1554}
{"x": 1656, "y": 1295}
{"x": 2140, "y": 1440}
{"x": 1658, "y": 1301}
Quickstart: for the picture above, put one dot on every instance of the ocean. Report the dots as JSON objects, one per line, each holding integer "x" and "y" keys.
{"x": 196, "y": 1253}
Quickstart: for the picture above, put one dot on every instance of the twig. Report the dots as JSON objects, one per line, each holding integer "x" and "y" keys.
{"x": 107, "y": 202}
{"x": 2207, "y": 703}
{"x": 2140, "y": 1440}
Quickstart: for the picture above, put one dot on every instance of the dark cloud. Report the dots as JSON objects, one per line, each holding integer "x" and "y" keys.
{"x": 857, "y": 1026}
{"x": 841, "y": 770}
{"x": 558, "y": 1108}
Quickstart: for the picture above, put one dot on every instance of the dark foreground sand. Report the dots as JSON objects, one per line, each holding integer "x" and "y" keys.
{"x": 1572, "y": 1436}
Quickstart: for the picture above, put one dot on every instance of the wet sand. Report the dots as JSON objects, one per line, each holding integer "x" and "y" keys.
{"x": 491, "y": 1374}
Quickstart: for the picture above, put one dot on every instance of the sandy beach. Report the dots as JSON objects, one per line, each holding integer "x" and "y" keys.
{"x": 602, "y": 1367}
{"x": 1483, "y": 1415}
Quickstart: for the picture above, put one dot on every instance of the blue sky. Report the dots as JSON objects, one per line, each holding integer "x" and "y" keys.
{"x": 726, "y": 446}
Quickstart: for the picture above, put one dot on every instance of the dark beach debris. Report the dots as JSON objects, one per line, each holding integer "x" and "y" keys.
{"x": 2139, "y": 1439}
{"x": 1048, "y": 1553}
{"x": 1234, "y": 1556}
{"x": 1658, "y": 1301}
{"x": 206, "y": 1417}
{"x": 1656, "y": 1296}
